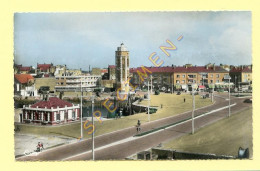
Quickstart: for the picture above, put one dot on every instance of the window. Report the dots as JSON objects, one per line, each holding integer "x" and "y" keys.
{"x": 73, "y": 115}
{"x": 183, "y": 81}
{"x": 194, "y": 81}
{"x": 217, "y": 75}
{"x": 57, "y": 116}
{"x": 211, "y": 81}
{"x": 183, "y": 76}
{"x": 178, "y": 76}
{"x": 177, "y": 81}
{"x": 194, "y": 76}
{"x": 211, "y": 75}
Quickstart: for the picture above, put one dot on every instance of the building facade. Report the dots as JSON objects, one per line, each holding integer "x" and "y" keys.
{"x": 182, "y": 77}
{"x": 50, "y": 111}
{"x": 111, "y": 72}
{"x": 24, "y": 85}
{"x": 241, "y": 75}
{"x": 71, "y": 83}
{"x": 46, "y": 69}
{"x": 122, "y": 68}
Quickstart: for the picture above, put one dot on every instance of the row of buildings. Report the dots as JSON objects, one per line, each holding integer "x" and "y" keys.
{"x": 163, "y": 78}
{"x": 55, "y": 111}
{"x": 182, "y": 77}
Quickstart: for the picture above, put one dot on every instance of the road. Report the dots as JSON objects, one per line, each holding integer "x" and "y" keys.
{"x": 120, "y": 144}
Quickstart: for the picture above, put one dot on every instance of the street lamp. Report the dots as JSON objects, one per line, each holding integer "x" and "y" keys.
{"x": 172, "y": 82}
{"x": 151, "y": 77}
{"x": 227, "y": 77}
{"x": 93, "y": 133}
{"x": 81, "y": 92}
{"x": 193, "y": 107}
{"x": 148, "y": 110}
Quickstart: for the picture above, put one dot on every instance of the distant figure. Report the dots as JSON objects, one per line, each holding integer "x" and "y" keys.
{"x": 42, "y": 146}
{"x": 138, "y": 123}
{"x": 184, "y": 100}
{"x": 120, "y": 113}
{"x": 161, "y": 105}
{"x": 38, "y": 147}
{"x": 138, "y": 128}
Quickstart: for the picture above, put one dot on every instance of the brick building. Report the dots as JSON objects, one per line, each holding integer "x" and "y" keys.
{"x": 50, "y": 111}
{"x": 182, "y": 77}
{"x": 241, "y": 75}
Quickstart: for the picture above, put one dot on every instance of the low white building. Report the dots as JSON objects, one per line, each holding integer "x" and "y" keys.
{"x": 50, "y": 111}
{"x": 24, "y": 85}
{"x": 71, "y": 83}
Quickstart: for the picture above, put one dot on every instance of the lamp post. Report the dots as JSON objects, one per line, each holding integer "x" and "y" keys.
{"x": 212, "y": 93}
{"x": 148, "y": 110}
{"x": 227, "y": 77}
{"x": 81, "y": 92}
{"x": 229, "y": 96}
{"x": 172, "y": 82}
{"x": 151, "y": 84}
{"x": 193, "y": 108}
{"x": 93, "y": 133}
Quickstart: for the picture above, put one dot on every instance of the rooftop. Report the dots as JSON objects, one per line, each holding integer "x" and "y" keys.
{"x": 52, "y": 102}
{"x": 241, "y": 69}
{"x": 178, "y": 69}
{"x": 23, "y": 78}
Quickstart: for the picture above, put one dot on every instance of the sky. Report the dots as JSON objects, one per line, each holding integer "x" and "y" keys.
{"x": 82, "y": 39}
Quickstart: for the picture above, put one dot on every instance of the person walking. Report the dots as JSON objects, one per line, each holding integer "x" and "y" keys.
{"x": 42, "y": 146}
{"x": 184, "y": 100}
{"x": 138, "y": 123}
{"x": 138, "y": 128}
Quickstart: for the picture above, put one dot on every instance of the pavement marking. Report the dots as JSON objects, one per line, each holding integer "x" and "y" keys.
{"x": 135, "y": 138}
{"x": 205, "y": 114}
{"x": 105, "y": 146}
{"x": 244, "y": 97}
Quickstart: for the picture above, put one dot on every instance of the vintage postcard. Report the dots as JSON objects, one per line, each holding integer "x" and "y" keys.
{"x": 173, "y": 85}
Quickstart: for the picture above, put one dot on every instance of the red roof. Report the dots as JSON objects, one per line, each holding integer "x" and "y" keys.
{"x": 111, "y": 66}
{"x": 52, "y": 102}
{"x": 44, "y": 67}
{"x": 24, "y": 68}
{"x": 23, "y": 78}
{"x": 103, "y": 70}
{"x": 168, "y": 69}
{"x": 239, "y": 69}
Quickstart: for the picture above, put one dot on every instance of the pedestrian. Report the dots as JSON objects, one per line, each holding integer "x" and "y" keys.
{"x": 120, "y": 113}
{"x": 38, "y": 147}
{"x": 138, "y": 123}
{"x": 184, "y": 100}
{"x": 42, "y": 146}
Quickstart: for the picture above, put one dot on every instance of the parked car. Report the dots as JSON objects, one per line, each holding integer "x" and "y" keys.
{"x": 178, "y": 93}
{"x": 248, "y": 101}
